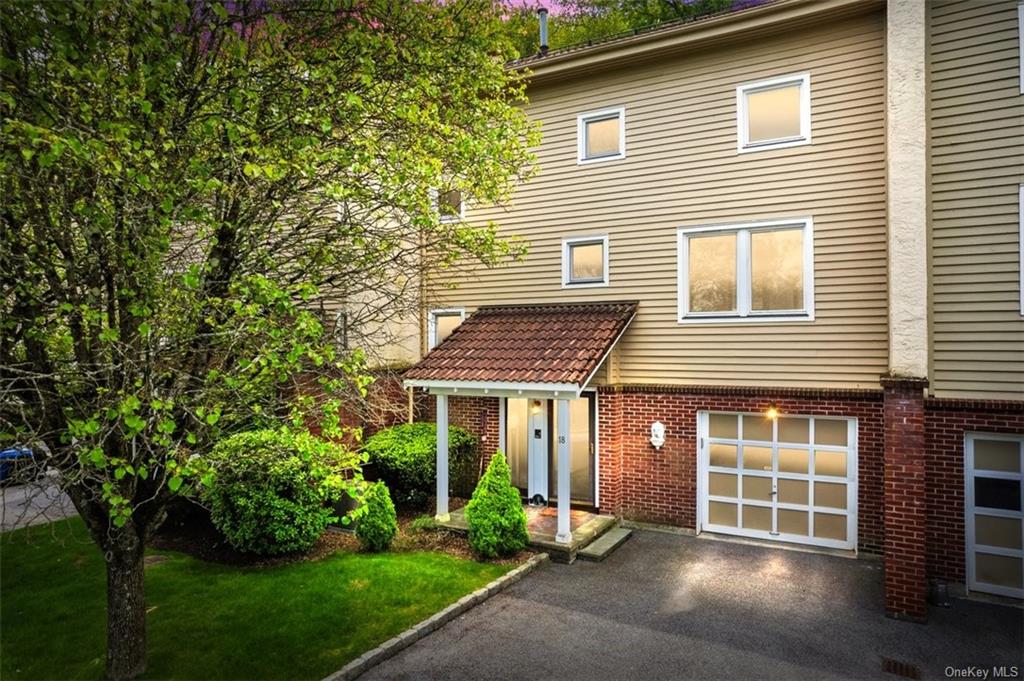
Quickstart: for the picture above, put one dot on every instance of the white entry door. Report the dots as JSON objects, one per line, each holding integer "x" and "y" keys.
{"x": 528, "y": 451}
{"x": 537, "y": 439}
{"x": 995, "y": 513}
{"x": 791, "y": 479}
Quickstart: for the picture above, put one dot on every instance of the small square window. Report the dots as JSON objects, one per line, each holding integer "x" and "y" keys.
{"x": 585, "y": 261}
{"x": 442, "y": 323}
{"x": 601, "y": 136}
{"x": 450, "y": 206}
{"x": 774, "y": 113}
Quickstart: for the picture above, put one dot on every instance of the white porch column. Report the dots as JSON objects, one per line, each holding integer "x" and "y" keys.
{"x": 564, "y": 532}
{"x": 442, "y": 459}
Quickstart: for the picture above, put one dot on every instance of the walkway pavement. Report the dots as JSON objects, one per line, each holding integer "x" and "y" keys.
{"x": 33, "y": 503}
{"x": 675, "y": 607}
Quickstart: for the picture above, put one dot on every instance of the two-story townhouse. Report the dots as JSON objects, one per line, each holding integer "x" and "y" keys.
{"x": 773, "y": 288}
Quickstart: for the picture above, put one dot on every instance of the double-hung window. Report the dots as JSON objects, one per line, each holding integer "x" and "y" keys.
{"x": 755, "y": 272}
{"x": 774, "y": 113}
{"x": 585, "y": 261}
{"x": 601, "y": 136}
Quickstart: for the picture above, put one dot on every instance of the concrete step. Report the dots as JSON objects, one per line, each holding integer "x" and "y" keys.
{"x": 601, "y": 548}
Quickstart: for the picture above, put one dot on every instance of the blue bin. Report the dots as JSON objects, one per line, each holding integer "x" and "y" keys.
{"x": 9, "y": 458}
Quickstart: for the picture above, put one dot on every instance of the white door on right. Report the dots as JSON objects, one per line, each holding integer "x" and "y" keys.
{"x": 994, "y": 467}
{"x": 792, "y": 478}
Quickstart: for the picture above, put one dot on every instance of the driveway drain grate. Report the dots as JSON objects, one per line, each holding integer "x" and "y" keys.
{"x": 904, "y": 669}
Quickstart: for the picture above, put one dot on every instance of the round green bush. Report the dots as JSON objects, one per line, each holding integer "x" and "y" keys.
{"x": 378, "y": 524}
{"x": 272, "y": 488}
{"x": 405, "y": 457}
{"x": 497, "y": 522}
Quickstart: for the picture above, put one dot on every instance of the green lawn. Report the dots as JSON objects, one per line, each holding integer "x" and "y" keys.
{"x": 209, "y": 621}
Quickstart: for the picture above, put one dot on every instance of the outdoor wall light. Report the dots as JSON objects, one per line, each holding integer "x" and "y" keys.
{"x": 535, "y": 407}
{"x": 657, "y": 434}
{"x": 771, "y": 412}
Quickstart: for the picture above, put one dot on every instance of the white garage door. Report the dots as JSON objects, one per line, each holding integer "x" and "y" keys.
{"x": 791, "y": 479}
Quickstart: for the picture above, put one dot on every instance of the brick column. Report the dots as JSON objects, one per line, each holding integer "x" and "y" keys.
{"x": 906, "y": 582}
{"x": 609, "y": 456}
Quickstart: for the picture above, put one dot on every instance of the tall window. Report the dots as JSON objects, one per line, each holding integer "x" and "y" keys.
{"x": 751, "y": 272}
{"x": 585, "y": 261}
{"x": 774, "y": 113}
{"x": 601, "y": 135}
{"x": 441, "y": 323}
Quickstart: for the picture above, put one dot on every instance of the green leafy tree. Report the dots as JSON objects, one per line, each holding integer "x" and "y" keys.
{"x": 578, "y": 22}
{"x": 186, "y": 185}
{"x": 378, "y": 523}
{"x": 497, "y": 522}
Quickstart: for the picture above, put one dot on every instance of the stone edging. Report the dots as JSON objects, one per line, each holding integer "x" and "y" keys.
{"x": 393, "y": 646}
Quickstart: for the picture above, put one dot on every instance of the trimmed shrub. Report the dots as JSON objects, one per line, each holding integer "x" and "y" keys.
{"x": 377, "y": 524}
{"x": 405, "y": 457}
{"x": 497, "y": 522}
{"x": 272, "y": 488}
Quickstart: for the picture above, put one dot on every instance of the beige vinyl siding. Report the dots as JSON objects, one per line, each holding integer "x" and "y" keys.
{"x": 682, "y": 169}
{"x": 977, "y": 166}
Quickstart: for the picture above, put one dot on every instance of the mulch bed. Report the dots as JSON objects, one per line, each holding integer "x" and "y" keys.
{"x": 196, "y": 536}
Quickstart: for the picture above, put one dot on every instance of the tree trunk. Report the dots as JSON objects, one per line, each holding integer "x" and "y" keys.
{"x": 126, "y": 612}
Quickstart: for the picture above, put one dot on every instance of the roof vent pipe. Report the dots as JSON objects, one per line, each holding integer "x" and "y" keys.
{"x": 542, "y": 15}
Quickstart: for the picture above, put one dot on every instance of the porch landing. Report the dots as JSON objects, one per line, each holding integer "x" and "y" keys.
{"x": 542, "y": 524}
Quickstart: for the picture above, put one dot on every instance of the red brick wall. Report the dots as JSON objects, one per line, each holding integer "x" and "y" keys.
{"x": 642, "y": 483}
{"x": 946, "y": 422}
{"x": 478, "y": 415}
{"x": 904, "y": 500}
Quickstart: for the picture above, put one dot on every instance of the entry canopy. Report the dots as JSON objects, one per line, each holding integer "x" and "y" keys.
{"x": 550, "y": 350}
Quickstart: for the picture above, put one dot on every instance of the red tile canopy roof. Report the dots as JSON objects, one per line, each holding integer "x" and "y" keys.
{"x": 550, "y": 344}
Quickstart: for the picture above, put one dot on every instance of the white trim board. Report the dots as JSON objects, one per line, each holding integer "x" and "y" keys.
{"x": 565, "y": 391}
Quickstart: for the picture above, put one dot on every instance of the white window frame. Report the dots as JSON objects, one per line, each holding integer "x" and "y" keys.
{"x": 1020, "y": 45}
{"x": 970, "y": 471}
{"x": 567, "y": 244}
{"x": 743, "y": 143}
{"x": 581, "y": 135}
{"x": 743, "y": 312}
{"x": 432, "y": 322}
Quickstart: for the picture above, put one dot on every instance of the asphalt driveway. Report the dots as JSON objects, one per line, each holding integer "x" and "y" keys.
{"x": 673, "y": 607}
{"x": 33, "y": 503}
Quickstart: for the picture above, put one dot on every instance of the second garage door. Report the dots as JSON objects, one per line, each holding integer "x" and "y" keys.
{"x": 791, "y": 478}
